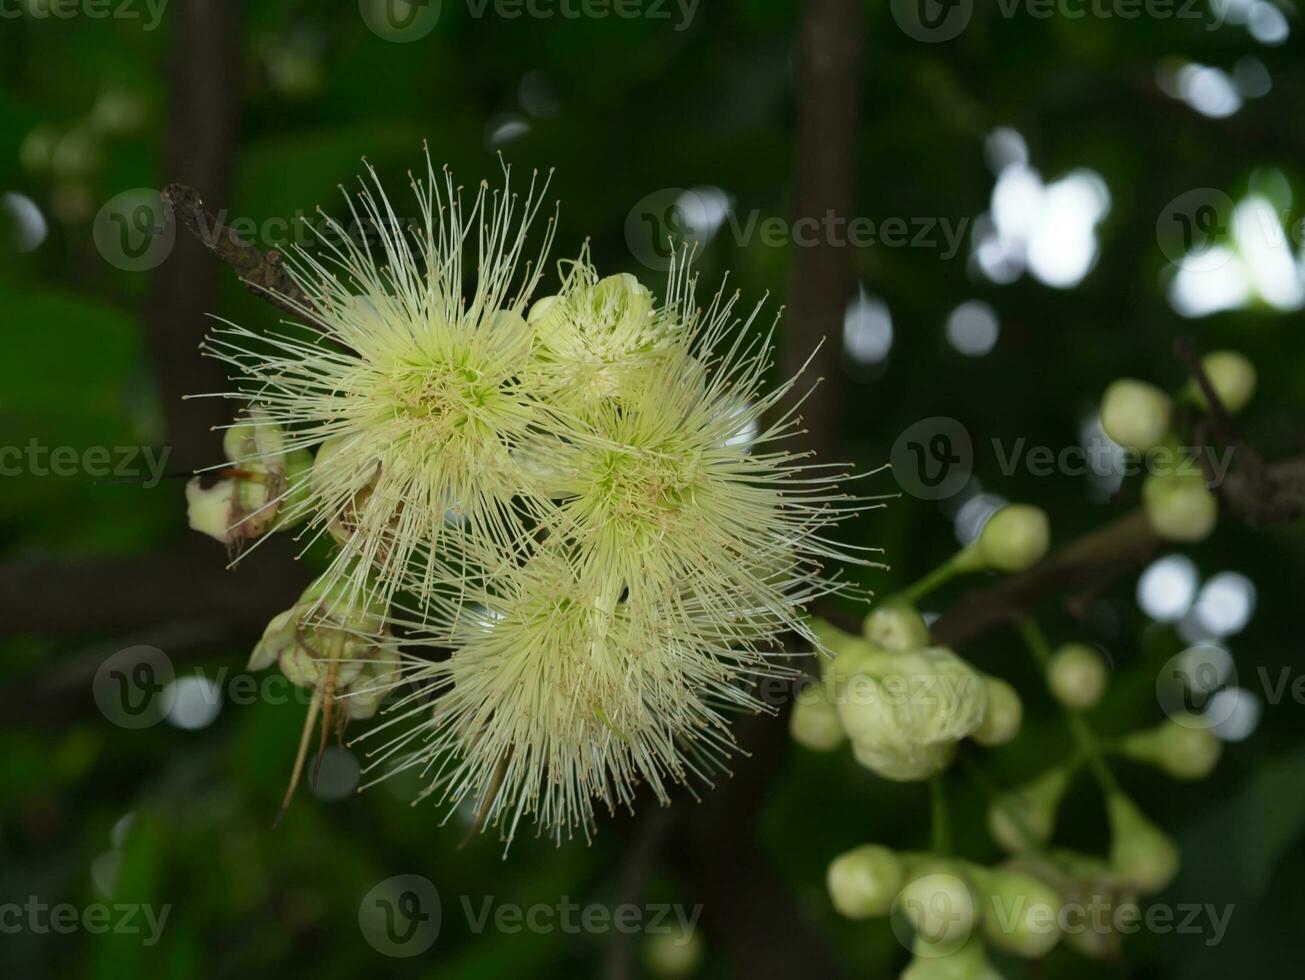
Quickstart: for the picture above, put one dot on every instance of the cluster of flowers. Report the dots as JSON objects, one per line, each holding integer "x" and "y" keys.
{"x": 566, "y": 527}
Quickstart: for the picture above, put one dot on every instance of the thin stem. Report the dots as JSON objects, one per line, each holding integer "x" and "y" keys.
{"x": 939, "y": 576}
{"x": 1079, "y": 730}
{"x": 941, "y": 833}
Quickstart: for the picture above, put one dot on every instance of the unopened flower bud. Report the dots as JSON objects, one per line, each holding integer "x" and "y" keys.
{"x": 1021, "y": 913}
{"x": 1025, "y": 817}
{"x": 1014, "y": 538}
{"x": 1179, "y": 506}
{"x": 209, "y": 509}
{"x": 897, "y": 626}
{"x": 1077, "y": 676}
{"x": 1142, "y": 854}
{"x": 674, "y": 951}
{"x": 1185, "y": 748}
{"x": 940, "y": 906}
{"x": 1136, "y": 414}
{"x": 814, "y": 722}
{"x": 1232, "y": 376}
{"x": 1005, "y": 714}
{"x": 969, "y": 962}
{"x": 905, "y": 712}
{"x": 864, "y": 881}
{"x": 330, "y": 624}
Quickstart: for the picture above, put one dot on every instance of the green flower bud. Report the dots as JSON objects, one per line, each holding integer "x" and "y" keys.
{"x": 1077, "y": 676}
{"x": 1143, "y": 855}
{"x": 1021, "y": 914}
{"x": 969, "y": 962}
{"x": 1015, "y": 537}
{"x": 37, "y": 149}
{"x": 674, "y": 951}
{"x": 1179, "y": 506}
{"x": 814, "y": 722}
{"x": 1185, "y": 748}
{"x": 830, "y": 636}
{"x": 1135, "y": 414}
{"x": 330, "y": 623}
{"x": 1005, "y": 714}
{"x": 940, "y": 907}
{"x": 865, "y": 881}
{"x": 896, "y": 626}
{"x": 1028, "y": 812}
{"x": 1232, "y": 376}
{"x": 905, "y": 712}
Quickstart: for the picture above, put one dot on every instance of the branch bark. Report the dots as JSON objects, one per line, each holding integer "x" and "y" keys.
{"x": 204, "y": 85}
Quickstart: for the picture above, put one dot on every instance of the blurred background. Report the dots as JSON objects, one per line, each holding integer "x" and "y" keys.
{"x": 1009, "y": 205}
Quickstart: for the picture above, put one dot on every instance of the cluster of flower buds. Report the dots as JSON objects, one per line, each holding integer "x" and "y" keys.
{"x": 330, "y": 640}
{"x": 903, "y": 703}
{"x": 260, "y": 488}
{"x": 1139, "y": 417}
{"x": 948, "y": 910}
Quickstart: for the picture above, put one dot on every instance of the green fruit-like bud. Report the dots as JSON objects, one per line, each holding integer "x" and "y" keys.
{"x": 1232, "y": 376}
{"x": 940, "y": 906}
{"x": 897, "y": 626}
{"x": 1136, "y": 414}
{"x": 1179, "y": 506}
{"x": 814, "y": 722}
{"x": 673, "y": 952}
{"x": 830, "y": 636}
{"x": 1005, "y": 714}
{"x": 1021, "y": 916}
{"x": 1015, "y": 537}
{"x": 1141, "y": 853}
{"x": 1077, "y": 676}
{"x": 1185, "y": 748}
{"x": 865, "y": 881}
{"x": 905, "y": 712}
{"x": 969, "y": 962}
{"x": 298, "y": 473}
{"x": 1026, "y": 816}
